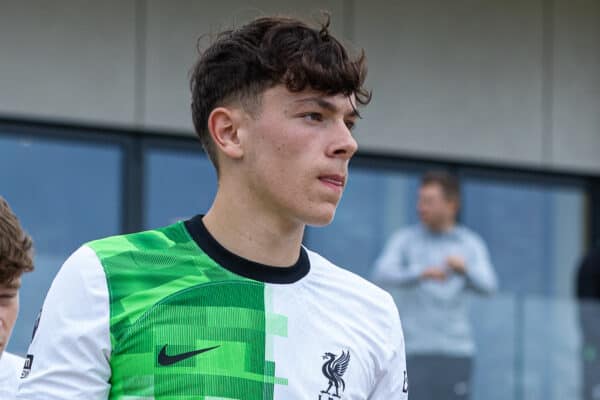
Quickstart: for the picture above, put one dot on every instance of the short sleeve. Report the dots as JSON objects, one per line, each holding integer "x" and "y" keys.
{"x": 69, "y": 355}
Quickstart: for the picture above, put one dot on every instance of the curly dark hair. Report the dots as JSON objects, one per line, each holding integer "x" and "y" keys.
{"x": 15, "y": 246}
{"x": 242, "y": 63}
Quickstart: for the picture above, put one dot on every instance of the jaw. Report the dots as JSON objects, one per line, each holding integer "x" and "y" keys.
{"x": 307, "y": 201}
{"x": 323, "y": 217}
{"x": 320, "y": 211}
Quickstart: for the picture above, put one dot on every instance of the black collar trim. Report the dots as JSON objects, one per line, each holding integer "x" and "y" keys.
{"x": 242, "y": 266}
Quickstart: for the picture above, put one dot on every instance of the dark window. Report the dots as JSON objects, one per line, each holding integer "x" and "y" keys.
{"x": 179, "y": 183}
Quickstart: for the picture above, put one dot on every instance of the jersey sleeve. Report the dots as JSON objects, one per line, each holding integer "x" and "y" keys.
{"x": 392, "y": 380}
{"x": 69, "y": 355}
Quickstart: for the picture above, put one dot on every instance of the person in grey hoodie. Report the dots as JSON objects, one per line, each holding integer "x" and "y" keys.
{"x": 436, "y": 264}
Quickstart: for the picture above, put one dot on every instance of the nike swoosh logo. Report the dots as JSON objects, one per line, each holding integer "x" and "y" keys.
{"x": 165, "y": 359}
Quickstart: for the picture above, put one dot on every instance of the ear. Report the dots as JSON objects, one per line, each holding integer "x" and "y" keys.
{"x": 223, "y": 124}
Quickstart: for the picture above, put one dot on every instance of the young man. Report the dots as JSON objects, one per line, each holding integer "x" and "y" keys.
{"x": 437, "y": 263}
{"x": 229, "y": 305}
{"x": 15, "y": 259}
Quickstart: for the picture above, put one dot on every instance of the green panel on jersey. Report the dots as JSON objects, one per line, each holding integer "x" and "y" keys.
{"x": 167, "y": 295}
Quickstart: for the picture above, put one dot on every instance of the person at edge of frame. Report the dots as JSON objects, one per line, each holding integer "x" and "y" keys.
{"x": 16, "y": 258}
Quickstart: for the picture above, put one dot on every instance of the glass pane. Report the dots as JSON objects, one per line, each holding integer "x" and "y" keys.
{"x": 178, "y": 185}
{"x": 552, "y": 368}
{"x": 534, "y": 232}
{"x": 493, "y": 321}
{"x": 65, "y": 193}
{"x": 375, "y": 203}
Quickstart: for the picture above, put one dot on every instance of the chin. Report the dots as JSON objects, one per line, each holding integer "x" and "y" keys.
{"x": 323, "y": 218}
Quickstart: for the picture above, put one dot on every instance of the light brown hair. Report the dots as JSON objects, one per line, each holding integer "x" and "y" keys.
{"x": 448, "y": 182}
{"x": 16, "y": 253}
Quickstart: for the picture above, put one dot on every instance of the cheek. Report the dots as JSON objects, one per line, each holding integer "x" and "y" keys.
{"x": 284, "y": 161}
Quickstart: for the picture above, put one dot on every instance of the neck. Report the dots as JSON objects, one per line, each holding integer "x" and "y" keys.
{"x": 251, "y": 232}
{"x": 442, "y": 227}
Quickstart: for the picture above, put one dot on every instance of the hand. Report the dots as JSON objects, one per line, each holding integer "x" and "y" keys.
{"x": 457, "y": 264}
{"x": 435, "y": 273}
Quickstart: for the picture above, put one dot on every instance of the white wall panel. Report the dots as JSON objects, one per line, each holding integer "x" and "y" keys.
{"x": 459, "y": 79}
{"x": 173, "y": 28}
{"x": 68, "y": 60}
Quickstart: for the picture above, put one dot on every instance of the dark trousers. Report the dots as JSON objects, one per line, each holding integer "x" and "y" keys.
{"x": 439, "y": 377}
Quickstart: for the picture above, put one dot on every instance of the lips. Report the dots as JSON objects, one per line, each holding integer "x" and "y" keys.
{"x": 337, "y": 181}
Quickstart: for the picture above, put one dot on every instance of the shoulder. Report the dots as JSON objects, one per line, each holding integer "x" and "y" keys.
{"x": 155, "y": 239}
{"x": 406, "y": 233}
{"x": 361, "y": 307}
{"x": 145, "y": 251}
{"x": 79, "y": 287}
{"x": 358, "y": 293}
{"x": 593, "y": 256}
{"x": 469, "y": 236}
{"x": 82, "y": 268}
{"x": 591, "y": 261}
{"x": 12, "y": 360}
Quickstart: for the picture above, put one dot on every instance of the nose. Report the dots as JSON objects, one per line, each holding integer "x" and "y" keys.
{"x": 343, "y": 145}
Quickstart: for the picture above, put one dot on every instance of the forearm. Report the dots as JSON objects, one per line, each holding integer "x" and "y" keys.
{"x": 396, "y": 275}
{"x": 482, "y": 278}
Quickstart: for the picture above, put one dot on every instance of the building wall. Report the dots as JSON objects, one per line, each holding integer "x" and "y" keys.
{"x": 510, "y": 82}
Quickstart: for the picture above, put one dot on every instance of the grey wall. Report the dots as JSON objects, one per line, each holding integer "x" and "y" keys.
{"x": 575, "y": 131}
{"x": 172, "y": 31}
{"x": 460, "y": 78}
{"x": 511, "y": 82}
{"x": 68, "y": 60}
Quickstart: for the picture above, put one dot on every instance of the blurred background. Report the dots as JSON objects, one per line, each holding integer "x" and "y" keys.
{"x": 96, "y": 139}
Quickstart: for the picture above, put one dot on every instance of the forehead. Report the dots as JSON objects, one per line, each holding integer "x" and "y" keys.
{"x": 431, "y": 189}
{"x": 280, "y": 95}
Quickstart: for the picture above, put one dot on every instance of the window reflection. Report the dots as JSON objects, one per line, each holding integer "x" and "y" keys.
{"x": 535, "y": 232}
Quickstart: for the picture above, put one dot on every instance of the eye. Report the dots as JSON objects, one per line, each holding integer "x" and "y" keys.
{"x": 7, "y": 299}
{"x": 350, "y": 124}
{"x": 313, "y": 116}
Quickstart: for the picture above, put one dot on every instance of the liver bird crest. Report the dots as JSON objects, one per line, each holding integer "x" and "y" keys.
{"x": 333, "y": 369}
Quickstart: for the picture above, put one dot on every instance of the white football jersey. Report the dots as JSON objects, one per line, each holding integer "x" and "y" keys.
{"x": 170, "y": 312}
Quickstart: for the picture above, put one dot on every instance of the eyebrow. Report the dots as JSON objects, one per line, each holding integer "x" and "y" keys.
{"x": 321, "y": 102}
